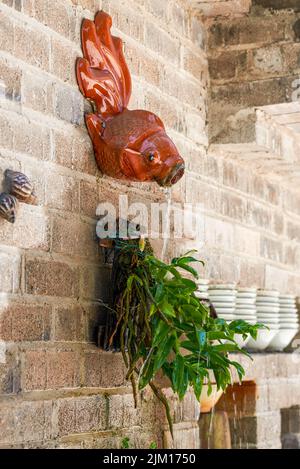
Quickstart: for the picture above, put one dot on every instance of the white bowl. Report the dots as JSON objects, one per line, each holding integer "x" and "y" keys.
{"x": 267, "y": 321}
{"x": 202, "y": 288}
{"x": 226, "y": 286}
{"x": 247, "y": 290}
{"x": 215, "y": 292}
{"x": 240, "y": 341}
{"x": 203, "y": 281}
{"x": 264, "y": 338}
{"x": 274, "y": 293}
{"x": 225, "y": 310}
{"x": 221, "y": 299}
{"x": 245, "y": 301}
{"x": 294, "y": 320}
{"x": 287, "y": 297}
{"x": 227, "y": 317}
{"x": 267, "y": 309}
{"x": 282, "y": 339}
{"x": 289, "y": 325}
{"x": 245, "y": 310}
{"x": 267, "y": 298}
{"x": 288, "y": 310}
{"x": 201, "y": 296}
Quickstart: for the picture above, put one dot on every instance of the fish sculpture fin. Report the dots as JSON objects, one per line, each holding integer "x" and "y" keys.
{"x": 102, "y": 73}
{"x": 94, "y": 126}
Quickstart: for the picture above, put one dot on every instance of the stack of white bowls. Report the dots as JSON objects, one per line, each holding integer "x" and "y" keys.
{"x": 246, "y": 310}
{"x": 223, "y": 298}
{"x": 288, "y": 323}
{"x": 267, "y": 311}
{"x": 202, "y": 289}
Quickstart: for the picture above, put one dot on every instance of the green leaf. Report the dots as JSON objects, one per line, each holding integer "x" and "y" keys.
{"x": 178, "y": 372}
{"x": 189, "y": 269}
{"x": 164, "y": 351}
{"x": 161, "y": 333}
{"x": 166, "y": 308}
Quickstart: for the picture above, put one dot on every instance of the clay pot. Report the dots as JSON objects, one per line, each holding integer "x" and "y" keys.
{"x": 207, "y": 402}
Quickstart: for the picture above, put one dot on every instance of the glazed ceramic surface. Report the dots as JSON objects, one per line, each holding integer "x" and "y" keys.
{"x": 130, "y": 145}
{"x": 282, "y": 339}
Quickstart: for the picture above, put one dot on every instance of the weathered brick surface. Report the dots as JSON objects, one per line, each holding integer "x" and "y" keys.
{"x": 249, "y": 60}
{"x": 43, "y": 277}
{"x": 57, "y": 388}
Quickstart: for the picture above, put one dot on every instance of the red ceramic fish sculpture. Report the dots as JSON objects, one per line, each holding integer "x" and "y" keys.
{"x": 130, "y": 145}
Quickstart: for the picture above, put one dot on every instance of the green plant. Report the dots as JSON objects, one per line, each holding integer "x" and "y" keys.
{"x": 125, "y": 443}
{"x": 153, "y": 445}
{"x": 163, "y": 326}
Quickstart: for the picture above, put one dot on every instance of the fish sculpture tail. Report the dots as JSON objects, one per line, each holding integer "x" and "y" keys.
{"x": 102, "y": 73}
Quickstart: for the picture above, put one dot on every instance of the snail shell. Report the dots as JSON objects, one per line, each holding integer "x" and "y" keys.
{"x": 20, "y": 186}
{"x": 8, "y": 207}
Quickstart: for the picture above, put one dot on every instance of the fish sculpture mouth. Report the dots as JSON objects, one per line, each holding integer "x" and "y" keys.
{"x": 173, "y": 177}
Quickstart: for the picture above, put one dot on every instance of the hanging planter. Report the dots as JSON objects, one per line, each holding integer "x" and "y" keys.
{"x": 161, "y": 327}
{"x": 209, "y": 400}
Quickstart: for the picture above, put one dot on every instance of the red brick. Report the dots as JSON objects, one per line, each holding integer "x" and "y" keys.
{"x": 62, "y": 192}
{"x": 89, "y": 198}
{"x": 70, "y": 324}
{"x": 66, "y": 416}
{"x": 90, "y": 414}
{"x": 122, "y": 413}
{"x": 63, "y": 57}
{"x": 7, "y": 33}
{"x": 63, "y": 369}
{"x": 163, "y": 43}
{"x": 47, "y": 369}
{"x": 196, "y": 65}
{"x": 81, "y": 415}
{"x": 33, "y": 421}
{"x": 25, "y": 322}
{"x": 104, "y": 369}
{"x": 10, "y": 77}
{"x": 233, "y": 206}
{"x": 50, "y": 278}
{"x": 293, "y": 231}
{"x": 95, "y": 282}
{"x": 86, "y": 4}
{"x": 56, "y": 14}
{"x": 252, "y": 274}
{"x": 74, "y": 238}
{"x": 9, "y": 370}
{"x": 83, "y": 158}
{"x": 34, "y": 370}
{"x": 271, "y": 249}
{"x": 37, "y": 92}
{"x": 228, "y": 65}
{"x": 259, "y": 215}
{"x": 7, "y": 426}
{"x": 32, "y": 46}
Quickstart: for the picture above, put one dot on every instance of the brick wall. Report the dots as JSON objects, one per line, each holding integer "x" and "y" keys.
{"x": 54, "y": 381}
{"x": 57, "y": 388}
{"x": 253, "y": 61}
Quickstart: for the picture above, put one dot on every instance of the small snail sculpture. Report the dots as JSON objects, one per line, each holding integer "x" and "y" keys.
{"x": 19, "y": 188}
{"x": 8, "y": 207}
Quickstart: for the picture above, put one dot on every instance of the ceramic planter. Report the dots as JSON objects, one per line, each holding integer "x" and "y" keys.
{"x": 207, "y": 402}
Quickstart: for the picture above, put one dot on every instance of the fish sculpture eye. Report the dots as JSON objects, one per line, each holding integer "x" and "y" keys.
{"x": 119, "y": 135}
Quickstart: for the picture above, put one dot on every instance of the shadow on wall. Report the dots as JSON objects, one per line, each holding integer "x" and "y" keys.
{"x": 232, "y": 423}
{"x": 290, "y": 427}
